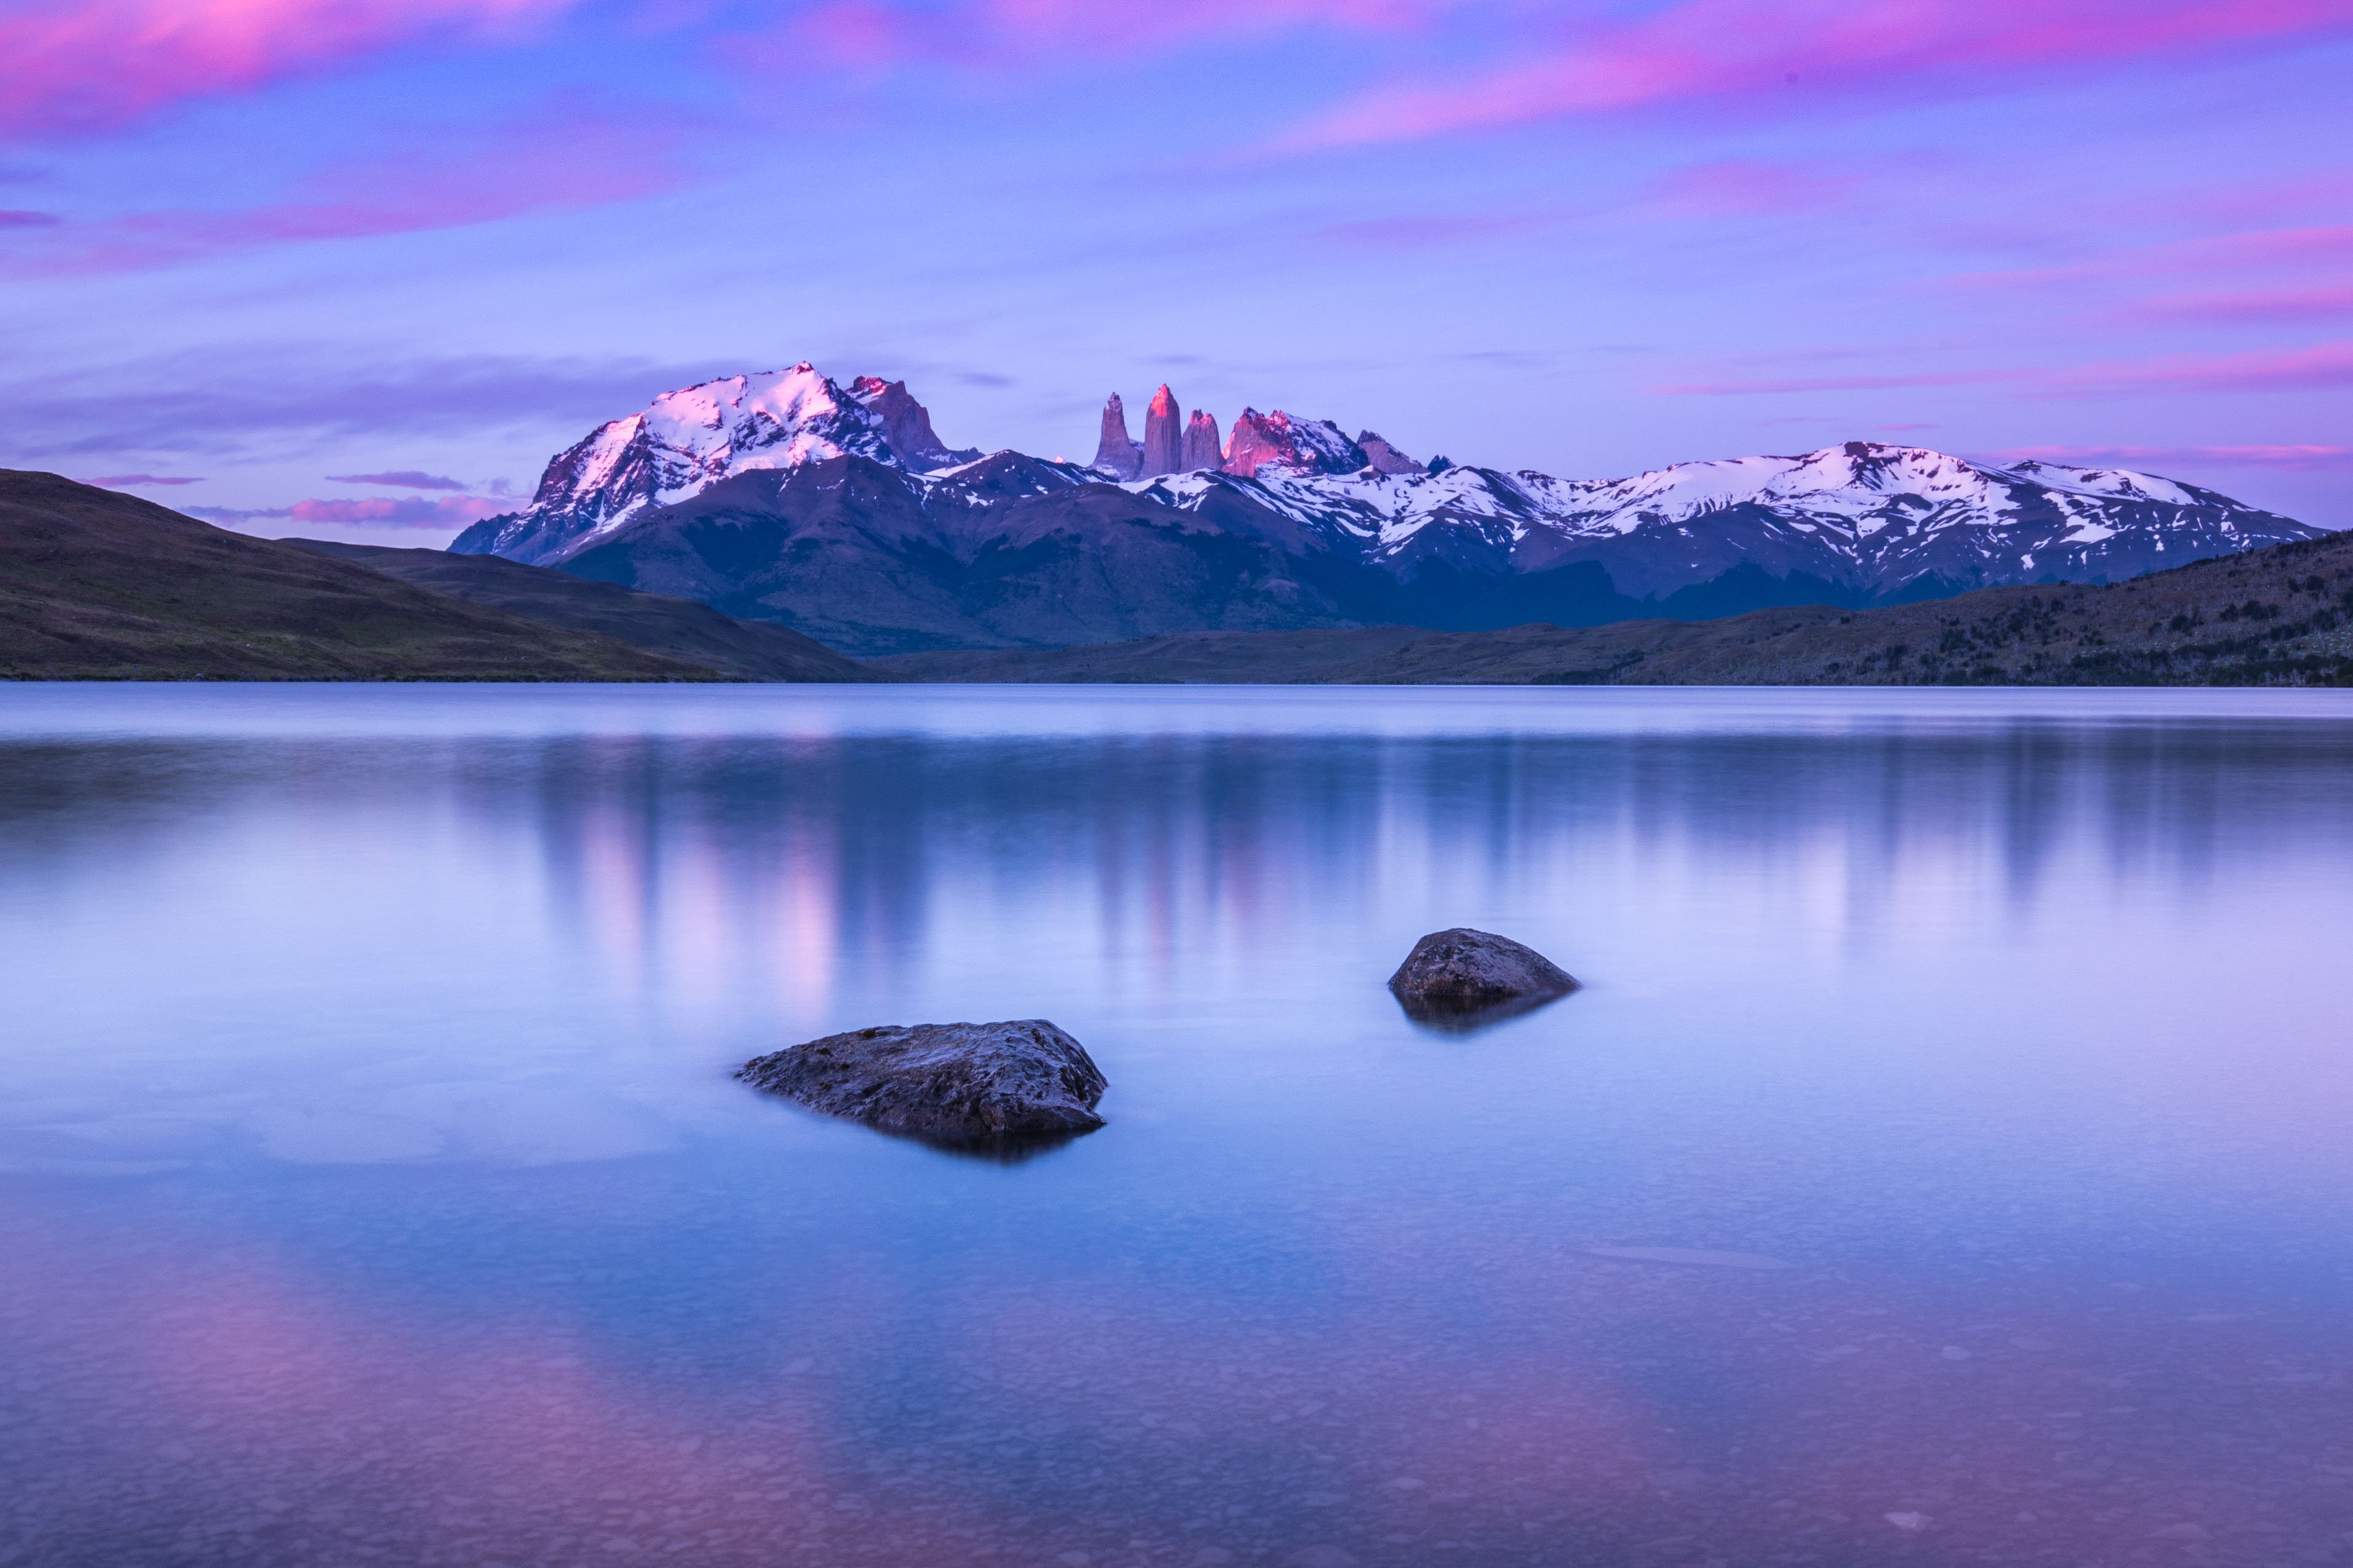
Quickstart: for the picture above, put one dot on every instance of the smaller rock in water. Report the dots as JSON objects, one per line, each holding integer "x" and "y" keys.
{"x": 1475, "y": 976}
{"x": 952, "y": 1083}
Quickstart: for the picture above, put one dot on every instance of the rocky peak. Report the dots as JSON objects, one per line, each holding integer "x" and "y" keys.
{"x": 1116, "y": 453}
{"x": 1204, "y": 449}
{"x": 1164, "y": 441}
{"x": 1301, "y": 446}
{"x": 906, "y": 424}
{"x": 1383, "y": 459}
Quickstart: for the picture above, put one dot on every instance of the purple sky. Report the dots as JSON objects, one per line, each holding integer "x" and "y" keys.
{"x": 420, "y": 244}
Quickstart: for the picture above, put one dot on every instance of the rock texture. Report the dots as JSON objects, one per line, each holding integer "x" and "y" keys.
{"x": 906, "y": 424}
{"x": 950, "y": 1082}
{"x": 1203, "y": 447}
{"x": 1466, "y": 970}
{"x": 1297, "y": 446}
{"x": 1164, "y": 435}
{"x": 1383, "y": 459}
{"x": 1116, "y": 453}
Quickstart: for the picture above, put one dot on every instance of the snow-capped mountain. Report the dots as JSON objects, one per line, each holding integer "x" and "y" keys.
{"x": 686, "y": 441}
{"x": 1877, "y": 520}
{"x": 787, "y": 497}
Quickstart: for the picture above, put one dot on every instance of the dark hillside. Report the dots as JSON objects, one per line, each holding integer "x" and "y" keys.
{"x": 677, "y": 629}
{"x": 97, "y": 586}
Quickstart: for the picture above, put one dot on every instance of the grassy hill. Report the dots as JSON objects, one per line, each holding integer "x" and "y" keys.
{"x": 97, "y": 585}
{"x": 2281, "y": 615}
{"x": 677, "y": 629}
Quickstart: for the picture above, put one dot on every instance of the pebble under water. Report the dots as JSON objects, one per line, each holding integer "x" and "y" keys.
{"x": 1945, "y": 1161}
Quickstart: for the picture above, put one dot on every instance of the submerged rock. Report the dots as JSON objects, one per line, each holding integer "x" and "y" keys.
{"x": 1475, "y": 977}
{"x": 954, "y": 1083}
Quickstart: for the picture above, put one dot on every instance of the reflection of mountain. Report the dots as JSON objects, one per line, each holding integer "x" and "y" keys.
{"x": 849, "y": 881}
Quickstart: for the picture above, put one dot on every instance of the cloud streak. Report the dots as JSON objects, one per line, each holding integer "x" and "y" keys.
{"x": 558, "y": 158}
{"x": 377, "y": 512}
{"x": 871, "y": 37}
{"x": 401, "y": 479}
{"x": 72, "y": 68}
{"x": 2299, "y": 458}
{"x": 2318, "y": 368}
{"x": 1776, "y": 55}
{"x": 266, "y": 401}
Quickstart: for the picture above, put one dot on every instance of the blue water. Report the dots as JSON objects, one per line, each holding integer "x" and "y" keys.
{"x": 1945, "y": 1161}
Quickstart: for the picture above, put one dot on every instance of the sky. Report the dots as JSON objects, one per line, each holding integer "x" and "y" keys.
{"x": 357, "y": 268}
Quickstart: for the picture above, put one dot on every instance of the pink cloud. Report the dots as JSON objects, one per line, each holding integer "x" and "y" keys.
{"x": 2321, "y": 367}
{"x": 555, "y": 160}
{"x": 2283, "y": 304}
{"x": 1752, "y": 386}
{"x": 71, "y": 67}
{"x": 401, "y": 479}
{"x": 875, "y": 35}
{"x": 2318, "y": 367}
{"x": 1745, "y": 188}
{"x": 2295, "y": 458}
{"x": 381, "y": 512}
{"x": 1417, "y": 233}
{"x": 2326, "y": 247}
{"x": 1757, "y": 53}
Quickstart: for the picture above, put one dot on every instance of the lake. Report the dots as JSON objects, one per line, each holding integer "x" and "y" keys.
{"x": 1946, "y": 1161}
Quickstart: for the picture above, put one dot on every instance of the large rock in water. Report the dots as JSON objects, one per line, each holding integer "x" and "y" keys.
{"x": 950, "y": 1082}
{"x": 1475, "y": 975}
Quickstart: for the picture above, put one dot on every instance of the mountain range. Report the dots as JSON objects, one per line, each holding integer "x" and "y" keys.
{"x": 95, "y": 584}
{"x": 837, "y": 511}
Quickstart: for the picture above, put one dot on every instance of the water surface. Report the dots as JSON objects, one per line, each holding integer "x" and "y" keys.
{"x": 1945, "y": 1163}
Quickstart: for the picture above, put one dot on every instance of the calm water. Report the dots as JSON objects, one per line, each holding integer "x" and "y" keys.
{"x": 373, "y": 1189}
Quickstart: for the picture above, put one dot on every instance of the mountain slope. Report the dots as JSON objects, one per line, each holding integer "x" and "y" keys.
{"x": 871, "y": 560}
{"x": 2280, "y": 616}
{"x": 1295, "y": 526}
{"x": 96, "y": 585}
{"x": 674, "y": 628}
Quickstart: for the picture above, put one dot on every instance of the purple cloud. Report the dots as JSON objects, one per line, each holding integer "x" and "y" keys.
{"x": 448, "y": 511}
{"x": 556, "y": 157}
{"x": 2303, "y": 458}
{"x": 80, "y": 67}
{"x": 193, "y": 403}
{"x": 1771, "y": 55}
{"x": 2319, "y": 367}
{"x": 117, "y": 481}
{"x": 401, "y": 479}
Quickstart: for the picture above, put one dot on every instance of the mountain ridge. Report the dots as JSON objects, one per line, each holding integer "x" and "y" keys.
{"x": 894, "y": 550}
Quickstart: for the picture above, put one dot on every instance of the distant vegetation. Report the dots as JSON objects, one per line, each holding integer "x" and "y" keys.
{"x": 2277, "y": 616}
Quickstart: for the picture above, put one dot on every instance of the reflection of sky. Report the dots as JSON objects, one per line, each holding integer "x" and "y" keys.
{"x": 373, "y": 1177}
